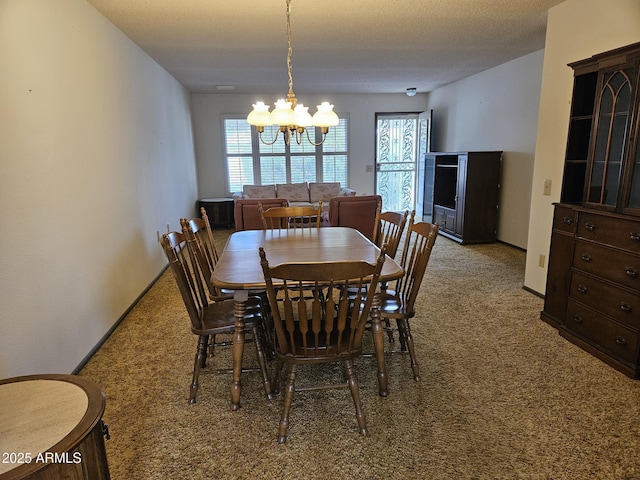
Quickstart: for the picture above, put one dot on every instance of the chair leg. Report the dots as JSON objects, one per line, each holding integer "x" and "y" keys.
{"x": 352, "y": 381}
{"x": 257, "y": 339}
{"x": 212, "y": 346}
{"x": 201, "y": 357}
{"x": 277, "y": 377}
{"x": 289, "y": 389}
{"x": 402, "y": 335}
{"x": 387, "y": 327}
{"x": 412, "y": 352}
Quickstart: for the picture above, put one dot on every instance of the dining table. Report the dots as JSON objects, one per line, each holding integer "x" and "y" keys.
{"x": 239, "y": 270}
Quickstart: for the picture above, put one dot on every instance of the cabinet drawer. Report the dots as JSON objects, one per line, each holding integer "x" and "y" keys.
{"x": 618, "y": 303}
{"x": 614, "y": 231}
{"x": 613, "y": 265}
{"x": 599, "y": 330}
{"x": 564, "y": 219}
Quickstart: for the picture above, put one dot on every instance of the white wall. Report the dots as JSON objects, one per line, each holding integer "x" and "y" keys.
{"x": 576, "y": 29}
{"x": 496, "y": 110}
{"x": 96, "y": 152}
{"x": 208, "y": 108}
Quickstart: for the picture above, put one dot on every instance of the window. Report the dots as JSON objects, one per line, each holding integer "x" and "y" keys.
{"x": 250, "y": 162}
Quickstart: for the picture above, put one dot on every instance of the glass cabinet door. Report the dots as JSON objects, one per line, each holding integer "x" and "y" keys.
{"x": 634, "y": 192}
{"x": 610, "y": 138}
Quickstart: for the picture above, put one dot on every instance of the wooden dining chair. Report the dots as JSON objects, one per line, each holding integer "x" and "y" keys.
{"x": 326, "y": 329}
{"x": 399, "y": 303}
{"x": 208, "y": 318}
{"x": 390, "y": 229}
{"x": 199, "y": 238}
{"x": 295, "y": 217}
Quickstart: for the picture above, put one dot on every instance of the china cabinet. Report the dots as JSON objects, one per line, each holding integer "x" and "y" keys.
{"x": 593, "y": 281}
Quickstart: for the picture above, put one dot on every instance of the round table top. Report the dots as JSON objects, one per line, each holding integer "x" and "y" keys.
{"x": 39, "y": 413}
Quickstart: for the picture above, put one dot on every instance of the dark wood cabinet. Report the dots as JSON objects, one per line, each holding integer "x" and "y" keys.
{"x": 219, "y": 211}
{"x": 593, "y": 282}
{"x": 461, "y": 194}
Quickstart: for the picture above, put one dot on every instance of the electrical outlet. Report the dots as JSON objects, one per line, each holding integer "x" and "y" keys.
{"x": 369, "y": 168}
{"x": 547, "y": 187}
{"x": 541, "y": 260}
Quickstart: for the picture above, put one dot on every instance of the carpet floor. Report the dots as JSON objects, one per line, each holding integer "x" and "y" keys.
{"x": 501, "y": 396}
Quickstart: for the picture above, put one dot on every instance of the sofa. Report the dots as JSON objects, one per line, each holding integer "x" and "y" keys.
{"x": 298, "y": 194}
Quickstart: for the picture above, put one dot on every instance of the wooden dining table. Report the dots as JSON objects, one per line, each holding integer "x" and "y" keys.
{"x": 239, "y": 269}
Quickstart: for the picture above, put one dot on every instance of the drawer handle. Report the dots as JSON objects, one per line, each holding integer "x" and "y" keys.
{"x": 625, "y": 307}
{"x": 105, "y": 431}
{"x": 631, "y": 272}
{"x": 621, "y": 341}
{"x": 586, "y": 257}
{"x": 589, "y": 226}
{"x": 567, "y": 220}
{"x": 582, "y": 288}
{"x": 578, "y": 319}
{"x": 634, "y": 236}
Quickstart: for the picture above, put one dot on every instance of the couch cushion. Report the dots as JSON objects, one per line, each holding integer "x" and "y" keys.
{"x": 294, "y": 192}
{"x": 259, "y": 191}
{"x": 323, "y": 191}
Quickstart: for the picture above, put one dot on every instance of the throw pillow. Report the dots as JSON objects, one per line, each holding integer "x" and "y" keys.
{"x": 323, "y": 191}
{"x": 259, "y": 191}
{"x": 294, "y": 192}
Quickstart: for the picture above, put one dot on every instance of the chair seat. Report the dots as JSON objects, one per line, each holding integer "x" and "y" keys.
{"x": 218, "y": 317}
{"x": 391, "y": 305}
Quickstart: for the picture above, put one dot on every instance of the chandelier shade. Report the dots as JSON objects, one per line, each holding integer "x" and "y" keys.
{"x": 292, "y": 118}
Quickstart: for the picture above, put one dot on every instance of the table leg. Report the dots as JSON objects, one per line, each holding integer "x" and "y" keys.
{"x": 239, "y": 309}
{"x": 378, "y": 343}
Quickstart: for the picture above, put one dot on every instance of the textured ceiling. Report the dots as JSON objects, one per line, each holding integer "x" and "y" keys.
{"x": 339, "y": 46}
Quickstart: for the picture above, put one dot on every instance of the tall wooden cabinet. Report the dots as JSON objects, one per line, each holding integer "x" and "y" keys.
{"x": 593, "y": 281}
{"x": 461, "y": 194}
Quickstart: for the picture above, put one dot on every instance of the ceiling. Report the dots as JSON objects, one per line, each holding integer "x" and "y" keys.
{"x": 339, "y": 46}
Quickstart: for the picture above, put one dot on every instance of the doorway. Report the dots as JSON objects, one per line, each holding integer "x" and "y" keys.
{"x": 396, "y": 160}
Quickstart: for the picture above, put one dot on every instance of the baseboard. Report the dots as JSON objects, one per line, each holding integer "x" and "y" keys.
{"x": 104, "y": 338}
{"x": 530, "y": 290}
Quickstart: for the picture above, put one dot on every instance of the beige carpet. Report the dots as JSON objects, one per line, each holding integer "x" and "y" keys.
{"x": 502, "y": 395}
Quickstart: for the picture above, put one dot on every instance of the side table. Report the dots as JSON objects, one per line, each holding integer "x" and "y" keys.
{"x": 219, "y": 211}
{"x": 51, "y": 428}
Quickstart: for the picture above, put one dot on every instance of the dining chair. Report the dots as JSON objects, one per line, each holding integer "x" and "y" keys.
{"x": 356, "y": 212}
{"x": 295, "y": 217}
{"x": 399, "y": 303}
{"x": 199, "y": 238}
{"x": 202, "y": 239}
{"x": 327, "y": 329}
{"x": 202, "y": 248}
{"x": 390, "y": 229}
{"x": 208, "y": 318}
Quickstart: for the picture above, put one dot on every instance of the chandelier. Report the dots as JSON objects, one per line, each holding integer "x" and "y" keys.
{"x": 292, "y": 118}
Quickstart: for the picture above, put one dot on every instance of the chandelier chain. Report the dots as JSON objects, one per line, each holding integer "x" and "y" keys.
{"x": 289, "y": 49}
